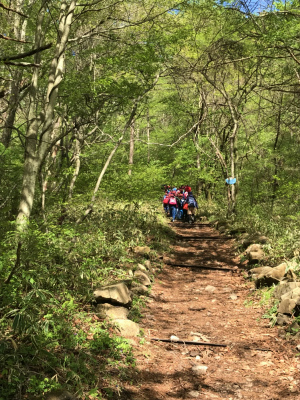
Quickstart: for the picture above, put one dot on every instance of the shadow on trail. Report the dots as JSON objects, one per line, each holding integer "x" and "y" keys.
{"x": 180, "y": 384}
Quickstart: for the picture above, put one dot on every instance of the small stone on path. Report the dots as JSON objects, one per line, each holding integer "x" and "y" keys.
{"x": 210, "y": 289}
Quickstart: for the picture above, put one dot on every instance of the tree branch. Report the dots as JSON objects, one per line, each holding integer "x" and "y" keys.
{"x": 21, "y": 64}
{"x": 27, "y": 54}
{"x": 14, "y": 40}
{"x": 11, "y": 9}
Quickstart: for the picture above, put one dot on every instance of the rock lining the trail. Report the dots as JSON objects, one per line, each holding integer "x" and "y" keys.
{"x": 117, "y": 294}
{"x": 114, "y": 301}
{"x": 255, "y": 253}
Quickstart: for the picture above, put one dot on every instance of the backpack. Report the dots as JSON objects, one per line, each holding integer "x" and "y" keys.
{"x": 172, "y": 201}
{"x": 191, "y": 201}
{"x": 166, "y": 200}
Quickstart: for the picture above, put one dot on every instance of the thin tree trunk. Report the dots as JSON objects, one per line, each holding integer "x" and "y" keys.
{"x": 13, "y": 102}
{"x": 148, "y": 137}
{"x": 131, "y": 147}
{"x": 76, "y": 158}
{"x": 275, "y": 179}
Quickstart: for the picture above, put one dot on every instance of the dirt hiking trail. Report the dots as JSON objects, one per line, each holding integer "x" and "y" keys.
{"x": 208, "y": 306}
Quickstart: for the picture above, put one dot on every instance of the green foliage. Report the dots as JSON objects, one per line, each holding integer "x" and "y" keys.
{"x": 46, "y": 312}
{"x": 135, "y": 313}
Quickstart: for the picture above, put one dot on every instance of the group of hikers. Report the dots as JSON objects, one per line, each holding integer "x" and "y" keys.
{"x": 180, "y": 203}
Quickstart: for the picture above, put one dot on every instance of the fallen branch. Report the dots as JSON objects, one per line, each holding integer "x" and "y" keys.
{"x": 189, "y": 342}
{"x": 205, "y": 344}
{"x": 200, "y": 267}
{"x": 203, "y": 237}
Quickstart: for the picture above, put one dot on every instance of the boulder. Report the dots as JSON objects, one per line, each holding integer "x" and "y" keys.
{"x": 127, "y": 328}
{"x": 138, "y": 289}
{"x": 290, "y": 276}
{"x": 114, "y": 294}
{"x": 278, "y": 272}
{"x": 283, "y": 288}
{"x": 282, "y": 319}
{"x": 255, "y": 272}
{"x": 108, "y": 310}
{"x": 141, "y": 267}
{"x": 148, "y": 266}
{"x": 293, "y": 294}
{"x": 142, "y": 278}
{"x": 255, "y": 238}
{"x": 271, "y": 276}
{"x": 294, "y": 328}
{"x": 142, "y": 250}
{"x": 287, "y": 306}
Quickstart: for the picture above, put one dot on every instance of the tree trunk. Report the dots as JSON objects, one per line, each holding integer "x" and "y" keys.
{"x": 13, "y": 102}
{"x": 38, "y": 147}
{"x": 275, "y": 179}
{"x": 131, "y": 147}
{"x": 76, "y": 158}
{"x": 148, "y": 137}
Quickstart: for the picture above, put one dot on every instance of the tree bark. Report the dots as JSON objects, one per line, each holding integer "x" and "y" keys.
{"x": 38, "y": 147}
{"x": 131, "y": 147}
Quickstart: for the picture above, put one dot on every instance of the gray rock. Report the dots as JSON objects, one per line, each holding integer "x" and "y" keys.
{"x": 255, "y": 272}
{"x": 283, "y": 288}
{"x": 127, "y": 328}
{"x": 256, "y": 238}
{"x": 141, "y": 267}
{"x": 142, "y": 250}
{"x": 255, "y": 253}
{"x": 199, "y": 369}
{"x": 148, "y": 266}
{"x": 278, "y": 272}
{"x": 271, "y": 276}
{"x": 210, "y": 289}
{"x": 142, "y": 278}
{"x": 139, "y": 289}
{"x": 256, "y": 256}
{"x": 193, "y": 394}
{"x": 290, "y": 276}
{"x": 282, "y": 319}
{"x": 108, "y": 310}
{"x": 287, "y": 306}
{"x": 293, "y": 294}
{"x": 114, "y": 294}
{"x": 294, "y": 327}
{"x": 255, "y": 247}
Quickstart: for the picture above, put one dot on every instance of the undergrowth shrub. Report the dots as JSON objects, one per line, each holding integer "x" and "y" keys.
{"x": 50, "y": 336}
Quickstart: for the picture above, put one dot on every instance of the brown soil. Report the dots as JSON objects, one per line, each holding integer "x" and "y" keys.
{"x": 181, "y": 304}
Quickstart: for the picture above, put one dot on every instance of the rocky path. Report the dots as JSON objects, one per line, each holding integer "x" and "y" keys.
{"x": 208, "y": 306}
